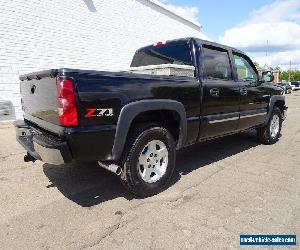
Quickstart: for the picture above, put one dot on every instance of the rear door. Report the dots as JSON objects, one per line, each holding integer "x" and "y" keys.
{"x": 220, "y": 103}
{"x": 254, "y": 95}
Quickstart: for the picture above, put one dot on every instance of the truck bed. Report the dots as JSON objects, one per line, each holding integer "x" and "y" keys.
{"x": 103, "y": 89}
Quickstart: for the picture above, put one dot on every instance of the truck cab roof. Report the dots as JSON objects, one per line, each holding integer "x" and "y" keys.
{"x": 188, "y": 40}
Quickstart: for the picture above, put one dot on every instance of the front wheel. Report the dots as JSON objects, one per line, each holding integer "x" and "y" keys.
{"x": 270, "y": 133}
{"x": 150, "y": 160}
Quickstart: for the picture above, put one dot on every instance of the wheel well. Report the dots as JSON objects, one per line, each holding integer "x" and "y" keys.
{"x": 280, "y": 104}
{"x": 168, "y": 118}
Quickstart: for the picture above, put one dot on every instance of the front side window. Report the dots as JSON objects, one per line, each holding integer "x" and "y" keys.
{"x": 216, "y": 64}
{"x": 245, "y": 70}
{"x": 170, "y": 53}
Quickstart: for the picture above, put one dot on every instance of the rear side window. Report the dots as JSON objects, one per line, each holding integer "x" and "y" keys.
{"x": 163, "y": 54}
{"x": 216, "y": 63}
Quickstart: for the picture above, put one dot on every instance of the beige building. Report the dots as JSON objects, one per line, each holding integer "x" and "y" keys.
{"x": 275, "y": 72}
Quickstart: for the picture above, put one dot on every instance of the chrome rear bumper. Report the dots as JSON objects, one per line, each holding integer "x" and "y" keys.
{"x": 42, "y": 147}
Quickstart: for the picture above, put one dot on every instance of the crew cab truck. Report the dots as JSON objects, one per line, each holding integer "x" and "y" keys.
{"x": 133, "y": 123}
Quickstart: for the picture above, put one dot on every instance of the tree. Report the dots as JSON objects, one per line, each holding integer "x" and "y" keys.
{"x": 256, "y": 64}
{"x": 295, "y": 75}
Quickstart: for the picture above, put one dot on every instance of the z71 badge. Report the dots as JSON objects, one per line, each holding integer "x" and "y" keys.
{"x": 98, "y": 113}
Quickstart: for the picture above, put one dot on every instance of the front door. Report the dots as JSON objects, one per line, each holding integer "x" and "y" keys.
{"x": 254, "y": 98}
{"x": 221, "y": 96}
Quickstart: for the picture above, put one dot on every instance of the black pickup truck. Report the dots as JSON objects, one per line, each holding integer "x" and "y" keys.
{"x": 133, "y": 123}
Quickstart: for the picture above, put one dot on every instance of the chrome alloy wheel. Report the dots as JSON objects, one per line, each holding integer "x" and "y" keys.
{"x": 153, "y": 161}
{"x": 274, "y": 126}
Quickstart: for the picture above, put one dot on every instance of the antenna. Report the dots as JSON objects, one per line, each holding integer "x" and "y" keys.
{"x": 267, "y": 48}
{"x": 290, "y": 70}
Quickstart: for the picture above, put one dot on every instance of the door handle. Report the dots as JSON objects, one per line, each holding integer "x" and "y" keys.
{"x": 243, "y": 91}
{"x": 214, "y": 92}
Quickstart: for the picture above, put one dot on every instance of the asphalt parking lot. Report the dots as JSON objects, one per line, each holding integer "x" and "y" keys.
{"x": 220, "y": 190}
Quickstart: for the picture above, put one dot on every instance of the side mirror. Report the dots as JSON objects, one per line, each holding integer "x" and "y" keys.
{"x": 267, "y": 76}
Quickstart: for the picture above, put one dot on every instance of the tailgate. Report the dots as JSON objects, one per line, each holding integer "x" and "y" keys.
{"x": 39, "y": 96}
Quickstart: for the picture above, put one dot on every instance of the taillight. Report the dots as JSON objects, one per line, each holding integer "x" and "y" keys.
{"x": 66, "y": 101}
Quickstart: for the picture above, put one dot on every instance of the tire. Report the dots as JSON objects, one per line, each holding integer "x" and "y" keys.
{"x": 270, "y": 133}
{"x": 136, "y": 175}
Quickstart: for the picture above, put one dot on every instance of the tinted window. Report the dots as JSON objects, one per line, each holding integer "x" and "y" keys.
{"x": 245, "y": 69}
{"x": 216, "y": 64}
{"x": 163, "y": 54}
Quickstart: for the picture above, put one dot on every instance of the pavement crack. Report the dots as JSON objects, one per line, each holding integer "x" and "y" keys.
{"x": 109, "y": 232}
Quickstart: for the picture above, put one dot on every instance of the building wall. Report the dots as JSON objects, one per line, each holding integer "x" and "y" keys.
{"x": 86, "y": 34}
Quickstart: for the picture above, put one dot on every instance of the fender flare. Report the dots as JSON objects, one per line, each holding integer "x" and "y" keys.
{"x": 272, "y": 102}
{"x": 131, "y": 110}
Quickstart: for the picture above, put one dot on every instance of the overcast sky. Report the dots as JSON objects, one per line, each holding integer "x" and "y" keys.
{"x": 256, "y": 26}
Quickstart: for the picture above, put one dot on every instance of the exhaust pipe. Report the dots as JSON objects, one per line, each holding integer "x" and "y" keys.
{"x": 111, "y": 167}
{"x": 28, "y": 157}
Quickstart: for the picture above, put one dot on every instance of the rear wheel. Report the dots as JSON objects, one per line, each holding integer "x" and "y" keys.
{"x": 270, "y": 133}
{"x": 150, "y": 160}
